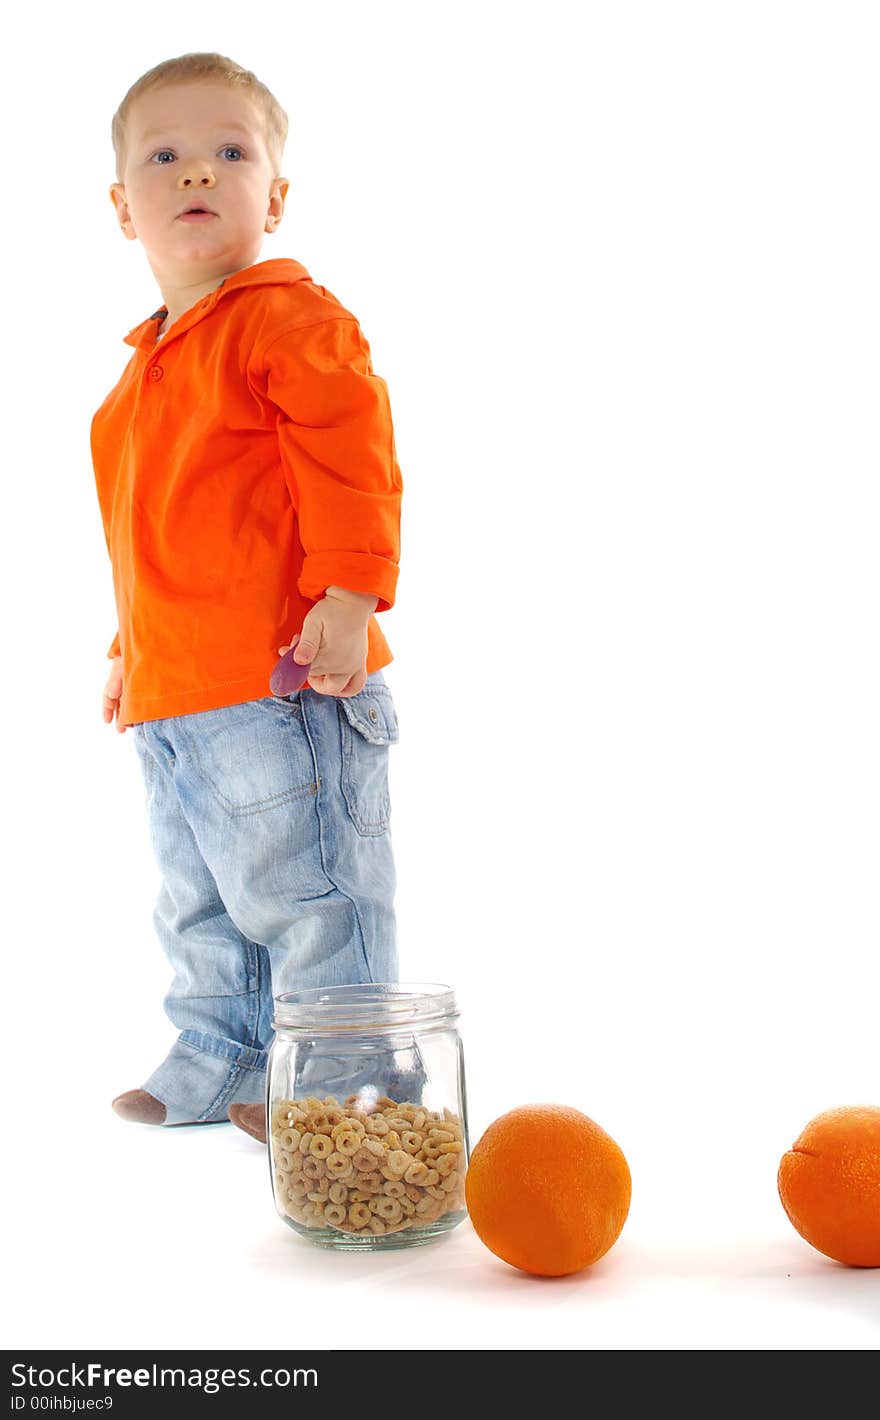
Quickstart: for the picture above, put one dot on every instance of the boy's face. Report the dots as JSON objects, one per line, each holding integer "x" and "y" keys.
{"x": 197, "y": 142}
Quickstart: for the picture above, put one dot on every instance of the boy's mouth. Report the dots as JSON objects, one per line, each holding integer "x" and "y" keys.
{"x": 197, "y": 213}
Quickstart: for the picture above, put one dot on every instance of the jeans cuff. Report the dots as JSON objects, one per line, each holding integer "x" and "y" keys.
{"x": 202, "y": 1075}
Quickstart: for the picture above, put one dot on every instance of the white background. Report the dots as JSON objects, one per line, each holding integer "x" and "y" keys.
{"x": 618, "y": 265}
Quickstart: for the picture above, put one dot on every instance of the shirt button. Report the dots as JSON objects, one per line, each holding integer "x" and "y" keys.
{"x": 156, "y": 372}
{"x": 374, "y": 714}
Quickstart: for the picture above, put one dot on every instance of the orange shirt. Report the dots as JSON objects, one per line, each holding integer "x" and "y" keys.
{"x": 243, "y": 464}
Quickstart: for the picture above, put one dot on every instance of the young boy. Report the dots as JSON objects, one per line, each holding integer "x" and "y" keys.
{"x": 250, "y": 494}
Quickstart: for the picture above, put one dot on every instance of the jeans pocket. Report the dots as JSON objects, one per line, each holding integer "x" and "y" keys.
{"x": 253, "y": 756}
{"x": 368, "y": 725}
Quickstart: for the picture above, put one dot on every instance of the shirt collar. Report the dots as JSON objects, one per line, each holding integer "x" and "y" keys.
{"x": 278, "y": 271}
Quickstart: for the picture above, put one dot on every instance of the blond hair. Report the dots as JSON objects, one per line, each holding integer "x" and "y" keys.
{"x": 187, "y": 67}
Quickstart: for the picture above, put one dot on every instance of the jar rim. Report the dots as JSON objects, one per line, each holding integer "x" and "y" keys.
{"x": 374, "y": 1004}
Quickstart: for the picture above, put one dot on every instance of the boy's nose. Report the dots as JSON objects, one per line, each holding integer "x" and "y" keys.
{"x": 196, "y": 172}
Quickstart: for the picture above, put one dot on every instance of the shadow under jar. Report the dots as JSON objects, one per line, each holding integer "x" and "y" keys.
{"x": 367, "y": 1110}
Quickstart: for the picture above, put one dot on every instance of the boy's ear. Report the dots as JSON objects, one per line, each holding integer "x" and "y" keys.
{"x": 277, "y": 199}
{"x": 117, "y": 197}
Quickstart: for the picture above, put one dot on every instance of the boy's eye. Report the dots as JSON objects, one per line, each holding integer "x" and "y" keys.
{"x": 229, "y": 148}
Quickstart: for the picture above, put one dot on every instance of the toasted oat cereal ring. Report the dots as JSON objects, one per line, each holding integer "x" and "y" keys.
{"x": 433, "y": 1177}
{"x": 445, "y": 1164}
{"x": 429, "y": 1210}
{"x": 359, "y": 1215}
{"x": 293, "y": 1210}
{"x": 288, "y": 1138}
{"x": 377, "y": 1125}
{"x": 359, "y": 1195}
{"x": 377, "y": 1227}
{"x": 338, "y": 1192}
{"x": 398, "y": 1161}
{"x": 312, "y": 1104}
{"x": 450, "y": 1182}
{"x": 410, "y": 1141}
{"x": 298, "y": 1190}
{"x": 441, "y": 1136}
{"x": 284, "y": 1160}
{"x": 347, "y": 1126}
{"x": 372, "y": 1182}
{"x": 334, "y": 1214}
{"x": 416, "y": 1173}
{"x": 347, "y": 1143}
{"x": 321, "y": 1146}
{"x": 339, "y": 1167}
{"x": 436, "y": 1192}
{"x": 316, "y": 1197}
{"x": 373, "y": 1146}
{"x": 419, "y": 1122}
{"x": 305, "y": 1142}
{"x": 398, "y": 1122}
{"x": 334, "y": 1115}
{"x": 408, "y": 1206}
{"x": 384, "y": 1103}
{"x": 430, "y": 1152}
{"x": 389, "y": 1209}
{"x": 282, "y": 1178}
{"x": 392, "y": 1139}
{"x": 394, "y": 1188}
{"x": 363, "y": 1160}
{"x": 321, "y": 1124}
{"x": 314, "y": 1168}
{"x": 455, "y": 1147}
{"x": 413, "y": 1194}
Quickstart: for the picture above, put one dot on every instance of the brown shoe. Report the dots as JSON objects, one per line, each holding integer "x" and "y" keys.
{"x": 139, "y": 1107}
{"x": 251, "y": 1118}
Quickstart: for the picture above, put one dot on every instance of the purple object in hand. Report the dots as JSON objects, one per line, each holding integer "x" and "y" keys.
{"x": 288, "y": 674}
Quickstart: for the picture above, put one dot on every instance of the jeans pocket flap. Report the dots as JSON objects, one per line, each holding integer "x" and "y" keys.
{"x": 371, "y": 712}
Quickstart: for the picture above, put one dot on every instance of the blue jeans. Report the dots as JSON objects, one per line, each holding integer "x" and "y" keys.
{"x": 270, "y": 825}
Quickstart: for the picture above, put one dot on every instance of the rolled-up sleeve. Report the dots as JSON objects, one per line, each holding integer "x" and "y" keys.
{"x": 337, "y": 450}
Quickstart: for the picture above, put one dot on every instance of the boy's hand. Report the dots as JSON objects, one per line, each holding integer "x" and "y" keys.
{"x": 113, "y": 693}
{"x": 334, "y": 639}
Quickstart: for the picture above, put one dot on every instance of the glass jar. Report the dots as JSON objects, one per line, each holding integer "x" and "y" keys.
{"x": 368, "y": 1140}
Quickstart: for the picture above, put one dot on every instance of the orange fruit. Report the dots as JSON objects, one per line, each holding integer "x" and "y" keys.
{"x": 829, "y": 1183}
{"x": 547, "y": 1190}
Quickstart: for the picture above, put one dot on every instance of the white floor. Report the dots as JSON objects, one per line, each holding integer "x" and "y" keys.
{"x": 161, "y": 1238}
